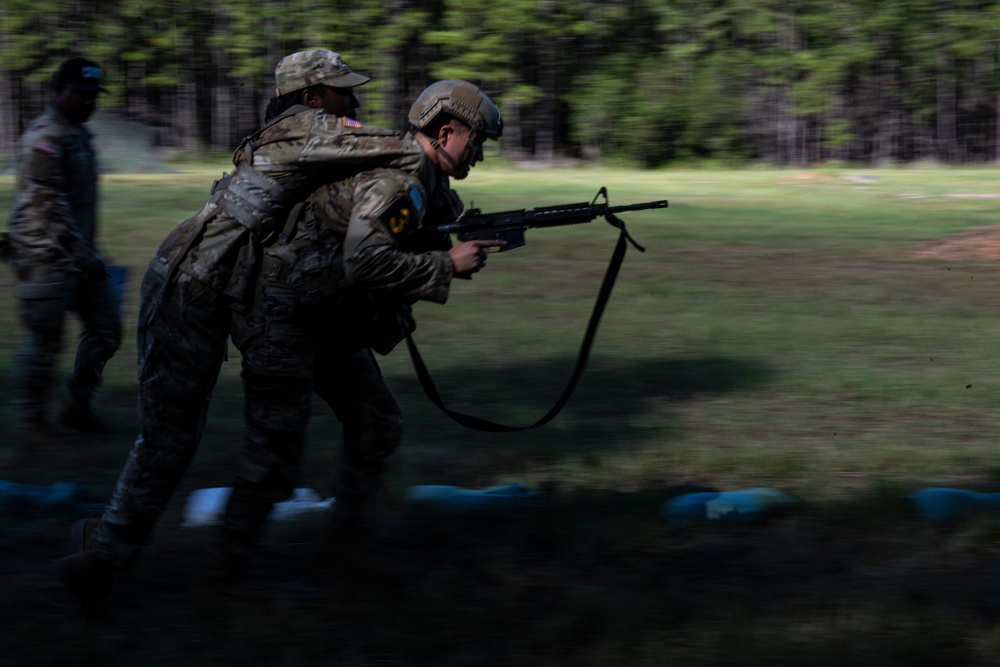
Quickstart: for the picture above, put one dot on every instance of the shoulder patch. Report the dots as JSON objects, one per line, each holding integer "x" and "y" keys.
{"x": 399, "y": 217}
{"x": 351, "y": 123}
{"x": 403, "y": 215}
{"x": 416, "y": 196}
{"x": 46, "y": 147}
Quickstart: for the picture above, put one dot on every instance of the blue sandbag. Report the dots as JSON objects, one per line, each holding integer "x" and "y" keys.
{"x": 65, "y": 496}
{"x": 728, "y": 507}
{"x": 505, "y": 495}
{"x": 943, "y": 505}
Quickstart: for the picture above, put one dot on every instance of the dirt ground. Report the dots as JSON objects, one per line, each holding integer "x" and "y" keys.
{"x": 979, "y": 244}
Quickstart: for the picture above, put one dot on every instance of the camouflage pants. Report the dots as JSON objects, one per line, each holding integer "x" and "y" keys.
{"x": 181, "y": 344}
{"x": 290, "y": 351}
{"x": 45, "y": 298}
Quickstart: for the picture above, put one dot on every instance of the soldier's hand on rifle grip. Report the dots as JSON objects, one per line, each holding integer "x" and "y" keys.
{"x": 469, "y": 257}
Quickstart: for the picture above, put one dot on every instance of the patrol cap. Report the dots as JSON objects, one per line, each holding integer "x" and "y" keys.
{"x": 462, "y": 100}
{"x": 84, "y": 74}
{"x": 307, "y": 68}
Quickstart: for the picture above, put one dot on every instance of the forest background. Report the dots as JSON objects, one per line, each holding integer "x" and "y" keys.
{"x": 639, "y": 82}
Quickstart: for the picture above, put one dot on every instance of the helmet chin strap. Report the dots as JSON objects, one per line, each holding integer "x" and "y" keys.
{"x": 452, "y": 161}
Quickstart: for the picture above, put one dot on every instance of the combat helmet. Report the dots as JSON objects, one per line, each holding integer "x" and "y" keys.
{"x": 462, "y": 100}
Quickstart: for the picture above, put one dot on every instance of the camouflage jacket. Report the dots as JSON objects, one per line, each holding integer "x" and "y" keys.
{"x": 54, "y": 214}
{"x": 297, "y": 152}
{"x": 379, "y": 217}
{"x": 356, "y": 257}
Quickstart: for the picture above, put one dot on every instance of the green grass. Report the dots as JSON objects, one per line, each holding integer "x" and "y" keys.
{"x": 778, "y": 331}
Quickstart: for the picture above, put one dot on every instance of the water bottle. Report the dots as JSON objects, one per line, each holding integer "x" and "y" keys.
{"x": 726, "y": 507}
{"x": 942, "y": 505}
{"x": 118, "y": 280}
{"x": 504, "y": 495}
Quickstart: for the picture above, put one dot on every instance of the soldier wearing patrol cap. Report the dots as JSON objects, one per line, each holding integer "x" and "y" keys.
{"x": 317, "y": 78}
{"x": 209, "y": 268}
{"x": 53, "y": 229}
{"x": 204, "y": 271}
{"x": 308, "y": 68}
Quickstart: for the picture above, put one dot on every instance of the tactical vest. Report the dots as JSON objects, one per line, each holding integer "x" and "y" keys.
{"x": 254, "y": 199}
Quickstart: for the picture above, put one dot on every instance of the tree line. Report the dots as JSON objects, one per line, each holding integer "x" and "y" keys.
{"x": 644, "y": 82}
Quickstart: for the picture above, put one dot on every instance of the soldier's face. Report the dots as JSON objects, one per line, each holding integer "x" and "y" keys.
{"x": 465, "y": 148}
{"x": 339, "y": 102}
{"x": 76, "y": 104}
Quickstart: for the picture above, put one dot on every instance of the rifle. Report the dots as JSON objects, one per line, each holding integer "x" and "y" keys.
{"x": 510, "y": 226}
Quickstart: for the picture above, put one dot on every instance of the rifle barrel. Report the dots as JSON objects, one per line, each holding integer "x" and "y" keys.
{"x": 662, "y": 203}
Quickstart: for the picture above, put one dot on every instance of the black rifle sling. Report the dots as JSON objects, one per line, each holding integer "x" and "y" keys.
{"x": 603, "y": 295}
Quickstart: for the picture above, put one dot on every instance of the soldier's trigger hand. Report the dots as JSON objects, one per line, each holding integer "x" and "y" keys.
{"x": 491, "y": 243}
{"x": 469, "y": 257}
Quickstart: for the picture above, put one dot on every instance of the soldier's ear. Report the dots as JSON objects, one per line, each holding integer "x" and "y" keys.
{"x": 311, "y": 99}
{"x": 446, "y": 133}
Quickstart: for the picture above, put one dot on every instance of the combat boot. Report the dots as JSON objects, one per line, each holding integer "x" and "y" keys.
{"x": 349, "y": 555}
{"x": 87, "y": 576}
{"x": 80, "y": 532}
{"x": 78, "y": 415}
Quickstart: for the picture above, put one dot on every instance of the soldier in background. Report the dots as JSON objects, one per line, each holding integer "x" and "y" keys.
{"x": 52, "y": 239}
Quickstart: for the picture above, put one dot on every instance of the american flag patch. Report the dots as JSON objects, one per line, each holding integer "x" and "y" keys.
{"x": 350, "y": 122}
{"x": 46, "y": 147}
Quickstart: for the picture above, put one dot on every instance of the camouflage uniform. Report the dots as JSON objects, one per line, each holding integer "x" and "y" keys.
{"x": 340, "y": 281}
{"x": 52, "y": 231}
{"x": 203, "y": 272}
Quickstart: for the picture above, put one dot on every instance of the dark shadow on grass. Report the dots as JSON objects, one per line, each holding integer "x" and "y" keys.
{"x": 509, "y": 392}
{"x": 613, "y": 407}
{"x": 608, "y": 401}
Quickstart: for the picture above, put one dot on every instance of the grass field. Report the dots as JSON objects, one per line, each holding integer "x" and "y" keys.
{"x": 808, "y": 331}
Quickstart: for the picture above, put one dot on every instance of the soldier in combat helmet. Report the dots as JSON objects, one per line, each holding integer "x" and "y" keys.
{"x": 340, "y": 282}
{"x": 52, "y": 237}
{"x": 204, "y": 271}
